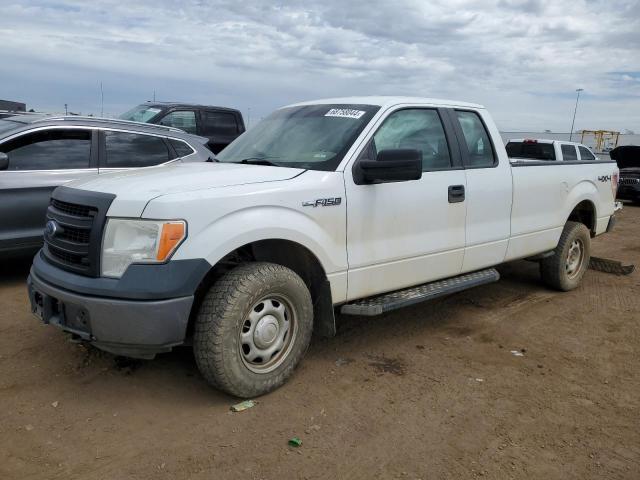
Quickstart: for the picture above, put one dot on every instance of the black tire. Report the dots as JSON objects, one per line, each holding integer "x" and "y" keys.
{"x": 268, "y": 298}
{"x": 555, "y": 270}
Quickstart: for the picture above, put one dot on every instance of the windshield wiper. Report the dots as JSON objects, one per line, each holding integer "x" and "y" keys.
{"x": 258, "y": 161}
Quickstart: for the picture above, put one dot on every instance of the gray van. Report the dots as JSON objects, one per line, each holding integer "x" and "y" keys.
{"x": 39, "y": 153}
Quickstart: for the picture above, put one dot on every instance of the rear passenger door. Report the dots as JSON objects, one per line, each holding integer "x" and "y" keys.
{"x": 488, "y": 191}
{"x": 39, "y": 161}
{"x": 121, "y": 150}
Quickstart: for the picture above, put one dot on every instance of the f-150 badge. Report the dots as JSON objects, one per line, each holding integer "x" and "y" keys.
{"x": 323, "y": 202}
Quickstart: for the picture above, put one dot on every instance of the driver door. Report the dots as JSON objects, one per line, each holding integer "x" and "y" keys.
{"x": 401, "y": 234}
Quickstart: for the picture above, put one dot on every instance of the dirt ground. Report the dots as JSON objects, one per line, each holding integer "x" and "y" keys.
{"x": 433, "y": 392}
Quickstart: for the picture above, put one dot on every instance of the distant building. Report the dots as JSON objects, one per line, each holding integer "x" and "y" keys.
{"x": 13, "y": 106}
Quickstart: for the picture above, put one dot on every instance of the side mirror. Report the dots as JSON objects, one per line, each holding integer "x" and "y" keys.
{"x": 4, "y": 161}
{"x": 397, "y": 165}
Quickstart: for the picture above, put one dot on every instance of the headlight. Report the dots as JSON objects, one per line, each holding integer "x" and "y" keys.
{"x": 139, "y": 241}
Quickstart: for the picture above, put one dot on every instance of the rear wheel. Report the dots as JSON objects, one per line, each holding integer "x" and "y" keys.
{"x": 253, "y": 327}
{"x": 566, "y": 267}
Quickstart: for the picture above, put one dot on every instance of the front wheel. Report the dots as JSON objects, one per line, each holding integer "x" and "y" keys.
{"x": 566, "y": 267}
{"x": 253, "y": 328}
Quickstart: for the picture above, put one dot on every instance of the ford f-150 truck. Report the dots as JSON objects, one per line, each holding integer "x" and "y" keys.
{"x": 361, "y": 205}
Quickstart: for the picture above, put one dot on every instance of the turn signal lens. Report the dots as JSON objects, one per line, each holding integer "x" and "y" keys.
{"x": 171, "y": 236}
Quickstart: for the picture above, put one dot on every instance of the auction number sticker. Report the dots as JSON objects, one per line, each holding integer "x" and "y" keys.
{"x": 344, "y": 113}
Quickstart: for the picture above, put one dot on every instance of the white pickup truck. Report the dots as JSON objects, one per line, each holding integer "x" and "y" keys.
{"x": 524, "y": 149}
{"x": 358, "y": 204}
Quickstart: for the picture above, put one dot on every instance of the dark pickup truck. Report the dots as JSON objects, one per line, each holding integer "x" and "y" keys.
{"x": 628, "y": 159}
{"x": 220, "y": 125}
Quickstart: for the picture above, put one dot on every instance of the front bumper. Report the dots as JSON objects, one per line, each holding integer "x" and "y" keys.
{"x": 133, "y": 328}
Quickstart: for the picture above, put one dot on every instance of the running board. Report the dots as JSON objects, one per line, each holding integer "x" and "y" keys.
{"x": 410, "y": 296}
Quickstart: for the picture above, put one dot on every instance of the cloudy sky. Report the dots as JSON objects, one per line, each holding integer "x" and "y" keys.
{"x": 523, "y": 59}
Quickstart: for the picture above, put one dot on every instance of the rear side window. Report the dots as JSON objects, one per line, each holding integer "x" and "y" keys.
{"x": 531, "y": 149}
{"x": 182, "y": 119}
{"x": 181, "y": 148}
{"x": 57, "y": 149}
{"x": 569, "y": 152}
{"x": 585, "y": 153}
{"x": 480, "y": 151}
{"x": 417, "y": 129}
{"x": 132, "y": 150}
{"x": 220, "y": 123}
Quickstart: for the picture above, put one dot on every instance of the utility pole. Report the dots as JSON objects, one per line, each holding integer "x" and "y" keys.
{"x": 574, "y": 112}
{"x": 101, "y": 101}
{"x": 66, "y": 111}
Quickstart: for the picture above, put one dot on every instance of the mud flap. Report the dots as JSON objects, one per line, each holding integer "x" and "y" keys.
{"x": 610, "y": 266}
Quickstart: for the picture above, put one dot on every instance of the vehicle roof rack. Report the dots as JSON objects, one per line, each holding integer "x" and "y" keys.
{"x": 117, "y": 121}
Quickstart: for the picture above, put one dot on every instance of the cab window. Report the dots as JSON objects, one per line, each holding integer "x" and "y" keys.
{"x": 418, "y": 129}
{"x": 568, "y": 152}
{"x": 182, "y": 119}
{"x": 585, "y": 153}
{"x": 220, "y": 123}
{"x": 479, "y": 149}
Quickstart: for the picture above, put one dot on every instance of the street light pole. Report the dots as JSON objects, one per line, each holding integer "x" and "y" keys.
{"x": 574, "y": 112}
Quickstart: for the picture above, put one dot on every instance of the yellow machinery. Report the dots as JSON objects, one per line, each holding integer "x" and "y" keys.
{"x": 603, "y": 139}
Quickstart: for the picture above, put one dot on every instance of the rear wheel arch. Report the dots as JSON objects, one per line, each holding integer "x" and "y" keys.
{"x": 585, "y": 213}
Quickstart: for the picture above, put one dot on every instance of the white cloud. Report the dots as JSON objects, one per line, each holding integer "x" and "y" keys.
{"x": 522, "y": 58}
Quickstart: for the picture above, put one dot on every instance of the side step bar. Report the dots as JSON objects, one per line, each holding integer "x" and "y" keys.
{"x": 401, "y": 298}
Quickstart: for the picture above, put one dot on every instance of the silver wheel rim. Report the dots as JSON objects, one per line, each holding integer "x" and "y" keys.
{"x": 268, "y": 333}
{"x": 575, "y": 258}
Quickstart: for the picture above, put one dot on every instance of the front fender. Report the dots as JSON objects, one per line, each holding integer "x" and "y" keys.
{"x": 253, "y": 224}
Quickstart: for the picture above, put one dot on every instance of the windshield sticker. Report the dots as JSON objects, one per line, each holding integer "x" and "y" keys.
{"x": 344, "y": 113}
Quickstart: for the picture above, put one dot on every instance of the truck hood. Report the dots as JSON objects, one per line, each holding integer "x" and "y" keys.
{"x": 135, "y": 188}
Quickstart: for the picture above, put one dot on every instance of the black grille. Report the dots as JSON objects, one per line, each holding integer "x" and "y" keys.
{"x": 76, "y": 235}
{"x": 73, "y": 234}
{"x": 72, "y": 208}
{"x": 629, "y": 181}
{"x": 67, "y": 257}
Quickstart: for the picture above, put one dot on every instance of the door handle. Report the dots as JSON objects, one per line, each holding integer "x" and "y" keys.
{"x": 456, "y": 193}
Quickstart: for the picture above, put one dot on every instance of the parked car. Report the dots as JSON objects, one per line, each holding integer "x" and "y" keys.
{"x": 628, "y": 159}
{"x": 220, "y": 125}
{"x": 39, "y": 153}
{"x": 364, "y": 204}
{"x": 549, "y": 150}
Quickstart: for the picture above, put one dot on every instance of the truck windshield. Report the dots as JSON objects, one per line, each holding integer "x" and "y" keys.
{"x": 315, "y": 137}
{"x": 531, "y": 150}
{"x": 141, "y": 113}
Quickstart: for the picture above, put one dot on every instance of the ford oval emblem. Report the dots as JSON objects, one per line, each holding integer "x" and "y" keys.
{"x": 51, "y": 228}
